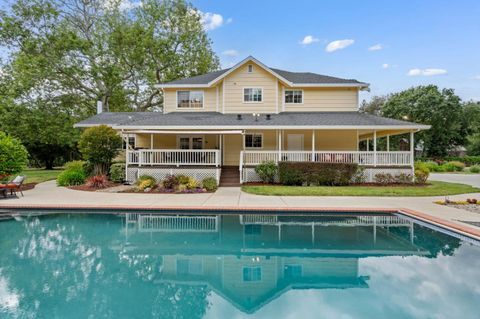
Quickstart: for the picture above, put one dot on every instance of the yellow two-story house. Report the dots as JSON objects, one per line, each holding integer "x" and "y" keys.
{"x": 224, "y": 123}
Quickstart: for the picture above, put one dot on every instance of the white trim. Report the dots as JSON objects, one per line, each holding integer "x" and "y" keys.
{"x": 293, "y": 103}
{"x": 190, "y": 141}
{"x": 252, "y": 88}
{"x": 189, "y": 108}
{"x": 223, "y": 96}
{"x": 252, "y": 148}
{"x": 268, "y": 127}
{"x": 276, "y": 97}
{"x": 283, "y": 100}
{"x": 185, "y": 132}
{"x": 216, "y": 92}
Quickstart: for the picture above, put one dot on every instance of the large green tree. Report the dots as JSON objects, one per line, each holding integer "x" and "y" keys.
{"x": 65, "y": 55}
{"x": 441, "y": 109}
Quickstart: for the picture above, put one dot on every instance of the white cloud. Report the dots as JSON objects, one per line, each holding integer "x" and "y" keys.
{"x": 386, "y": 66}
{"x": 308, "y": 39}
{"x": 426, "y": 72}
{"x": 338, "y": 45}
{"x": 376, "y": 47}
{"x": 230, "y": 52}
{"x": 477, "y": 77}
{"x": 212, "y": 21}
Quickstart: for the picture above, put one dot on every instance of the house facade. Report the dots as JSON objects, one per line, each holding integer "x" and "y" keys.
{"x": 224, "y": 123}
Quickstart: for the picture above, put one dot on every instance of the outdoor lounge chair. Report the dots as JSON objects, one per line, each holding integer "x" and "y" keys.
{"x": 13, "y": 186}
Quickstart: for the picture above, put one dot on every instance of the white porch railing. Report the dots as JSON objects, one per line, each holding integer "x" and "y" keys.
{"x": 151, "y": 157}
{"x": 358, "y": 157}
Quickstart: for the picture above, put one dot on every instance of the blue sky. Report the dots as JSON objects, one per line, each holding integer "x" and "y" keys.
{"x": 417, "y": 42}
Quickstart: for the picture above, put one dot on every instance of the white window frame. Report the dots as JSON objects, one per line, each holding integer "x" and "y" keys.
{"x": 285, "y": 96}
{"x": 190, "y": 142}
{"x": 253, "y": 147}
{"x": 128, "y": 136}
{"x": 252, "y": 88}
{"x": 190, "y": 108}
{"x": 251, "y": 267}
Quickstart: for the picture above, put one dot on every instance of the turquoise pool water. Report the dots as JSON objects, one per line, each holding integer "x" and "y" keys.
{"x": 234, "y": 266}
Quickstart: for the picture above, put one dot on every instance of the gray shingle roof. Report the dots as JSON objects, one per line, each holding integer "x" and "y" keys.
{"x": 204, "y": 119}
{"x": 294, "y": 77}
{"x": 200, "y": 79}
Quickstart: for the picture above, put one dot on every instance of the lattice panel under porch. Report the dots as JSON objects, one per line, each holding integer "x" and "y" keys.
{"x": 161, "y": 173}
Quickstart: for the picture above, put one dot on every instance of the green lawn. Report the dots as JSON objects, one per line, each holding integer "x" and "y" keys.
{"x": 35, "y": 175}
{"x": 434, "y": 189}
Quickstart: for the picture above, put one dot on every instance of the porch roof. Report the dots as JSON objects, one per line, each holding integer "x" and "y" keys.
{"x": 215, "y": 120}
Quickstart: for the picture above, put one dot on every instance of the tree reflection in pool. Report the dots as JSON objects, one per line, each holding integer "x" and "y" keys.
{"x": 219, "y": 266}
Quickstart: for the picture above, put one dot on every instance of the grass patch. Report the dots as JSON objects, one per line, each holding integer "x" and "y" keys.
{"x": 35, "y": 175}
{"x": 433, "y": 189}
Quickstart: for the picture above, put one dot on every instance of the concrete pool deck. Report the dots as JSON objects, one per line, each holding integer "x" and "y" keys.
{"x": 48, "y": 196}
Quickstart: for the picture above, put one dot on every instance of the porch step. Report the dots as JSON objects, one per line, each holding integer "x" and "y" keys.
{"x": 230, "y": 176}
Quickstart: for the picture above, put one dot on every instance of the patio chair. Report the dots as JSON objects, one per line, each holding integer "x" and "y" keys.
{"x": 15, "y": 185}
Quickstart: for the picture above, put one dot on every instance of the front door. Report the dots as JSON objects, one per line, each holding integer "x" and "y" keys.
{"x": 295, "y": 143}
{"x": 190, "y": 142}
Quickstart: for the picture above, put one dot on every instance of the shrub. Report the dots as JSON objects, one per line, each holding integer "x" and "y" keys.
{"x": 145, "y": 181}
{"x": 475, "y": 169}
{"x": 267, "y": 171}
{"x": 210, "y": 184}
{"x": 403, "y": 178}
{"x": 97, "y": 181}
{"x": 183, "y": 180}
{"x": 117, "y": 172}
{"x": 359, "y": 176}
{"x": 170, "y": 182}
{"x": 75, "y": 166}
{"x": 421, "y": 173}
{"x": 71, "y": 178}
{"x": 313, "y": 173}
{"x": 384, "y": 178}
{"x": 449, "y": 167}
{"x": 432, "y": 166}
{"x": 13, "y": 156}
{"x": 99, "y": 145}
{"x": 459, "y": 166}
{"x": 192, "y": 183}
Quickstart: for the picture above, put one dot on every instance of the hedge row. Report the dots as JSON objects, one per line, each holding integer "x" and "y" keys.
{"x": 468, "y": 160}
{"x": 313, "y": 173}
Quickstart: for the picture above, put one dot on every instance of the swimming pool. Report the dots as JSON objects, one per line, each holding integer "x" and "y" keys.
{"x": 79, "y": 265}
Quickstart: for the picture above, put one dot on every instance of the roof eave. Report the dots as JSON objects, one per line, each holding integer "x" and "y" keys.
{"x": 272, "y": 127}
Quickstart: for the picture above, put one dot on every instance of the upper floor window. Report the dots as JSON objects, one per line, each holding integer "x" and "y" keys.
{"x": 252, "y": 95}
{"x": 189, "y": 99}
{"x": 294, "y": 96}
{"x": 250, "y": 68}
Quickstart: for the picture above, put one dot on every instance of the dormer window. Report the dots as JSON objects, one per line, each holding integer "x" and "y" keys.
{"x": 250, "y": 68}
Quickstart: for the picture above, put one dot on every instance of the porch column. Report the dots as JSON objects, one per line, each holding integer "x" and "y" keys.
{"x": 388, "y": 143}
{"x": 313, "y": 145}
{"x": 412, "y": 150}
{"x": 280, "y": 146}
{"x": 368, "y": 145}
{"x": 220, "y": 148}
{"x": 375, "y": 148}
{"x": 151, "y": 141}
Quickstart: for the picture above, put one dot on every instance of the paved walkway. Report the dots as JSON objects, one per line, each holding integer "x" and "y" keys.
{"x": 470, "y": 179}
{"x": 48, "y": 194}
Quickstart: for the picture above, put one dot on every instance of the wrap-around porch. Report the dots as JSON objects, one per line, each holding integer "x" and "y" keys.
{"x": 247, "y": 148}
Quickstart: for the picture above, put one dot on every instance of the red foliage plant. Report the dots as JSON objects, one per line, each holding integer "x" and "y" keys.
{"x": 97, "y": 181}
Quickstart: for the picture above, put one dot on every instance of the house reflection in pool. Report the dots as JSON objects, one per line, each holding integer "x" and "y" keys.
{"x": 252, "y": 259}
